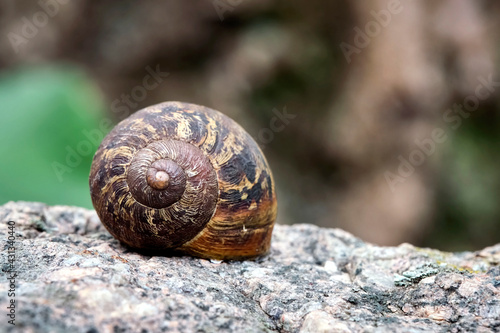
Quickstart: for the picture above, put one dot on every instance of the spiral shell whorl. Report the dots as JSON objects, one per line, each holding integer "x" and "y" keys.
{"x": 186, "y": 169}
{"x": 178, "y": 175}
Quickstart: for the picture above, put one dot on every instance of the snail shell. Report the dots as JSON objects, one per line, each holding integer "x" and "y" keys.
{"x": 183, "y": 176}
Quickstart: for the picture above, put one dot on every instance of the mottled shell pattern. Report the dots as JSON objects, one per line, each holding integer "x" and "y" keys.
{"x": 183, "y": 176}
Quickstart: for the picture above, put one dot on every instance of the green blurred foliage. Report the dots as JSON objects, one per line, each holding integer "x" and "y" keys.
{"x": 46, "y": 153}
{"x": 469, "y": 185}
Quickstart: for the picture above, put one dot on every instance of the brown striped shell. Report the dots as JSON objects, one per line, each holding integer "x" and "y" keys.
{"x": 183, "y": 176}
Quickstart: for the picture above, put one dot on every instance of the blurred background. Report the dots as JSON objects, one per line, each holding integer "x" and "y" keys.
{"x": 379, "y": 117}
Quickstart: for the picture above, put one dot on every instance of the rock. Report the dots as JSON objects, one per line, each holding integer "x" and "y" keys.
{"x": 72, "y": 276}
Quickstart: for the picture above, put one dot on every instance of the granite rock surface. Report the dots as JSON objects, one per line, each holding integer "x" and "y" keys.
{"x": 72, "y": 276}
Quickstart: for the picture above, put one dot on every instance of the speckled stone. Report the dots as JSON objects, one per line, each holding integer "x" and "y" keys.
{"x": 72, "y": 276}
